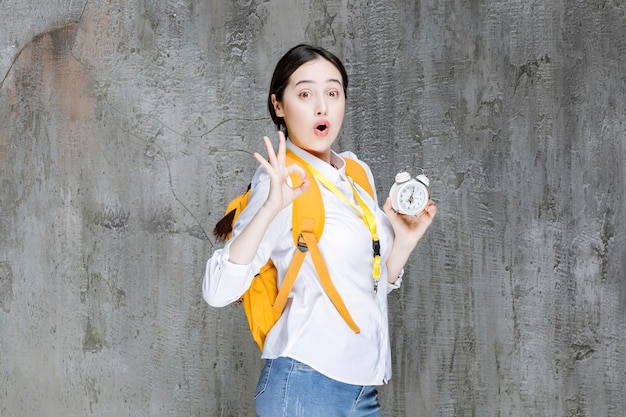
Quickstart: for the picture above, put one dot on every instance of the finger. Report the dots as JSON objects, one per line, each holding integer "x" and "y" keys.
{"x": 281, "y": 147}
{"x": 262, "y": 161}
{"x": 431, "y": 207}
{"x": 298, "y": 186}
{"x": 425, "y": 218}
{"x": 432, "y": 210}
{"x": 297, "y": 169}
{"x": 301, "y": 188}
{"x": 387, "y": 207}
{"x": 271, "y": 155}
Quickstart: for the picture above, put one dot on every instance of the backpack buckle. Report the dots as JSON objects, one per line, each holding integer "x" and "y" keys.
{"x": 302, "y": 247}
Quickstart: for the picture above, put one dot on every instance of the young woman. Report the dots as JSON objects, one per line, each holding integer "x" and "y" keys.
{"x": 315, "y": 365}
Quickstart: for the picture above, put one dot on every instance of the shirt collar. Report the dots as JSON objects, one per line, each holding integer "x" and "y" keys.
{"x": 322, "y": 167}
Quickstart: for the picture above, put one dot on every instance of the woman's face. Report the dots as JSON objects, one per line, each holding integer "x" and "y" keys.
{"x": 313, "y": 107}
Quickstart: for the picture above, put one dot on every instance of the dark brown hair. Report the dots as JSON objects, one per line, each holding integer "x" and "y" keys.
{"x": 224, "y": 227}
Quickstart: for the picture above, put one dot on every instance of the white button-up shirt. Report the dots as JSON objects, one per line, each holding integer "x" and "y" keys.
{"x": 310, "y": 329}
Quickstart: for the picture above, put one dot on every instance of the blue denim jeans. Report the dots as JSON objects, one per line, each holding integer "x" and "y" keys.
{"x": 288, "y": 388}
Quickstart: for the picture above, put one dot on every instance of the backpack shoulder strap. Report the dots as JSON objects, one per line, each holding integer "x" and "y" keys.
{"x": 356, "y": 171}
{"x": 308, "y": 205}
{"x": 308, "y": 225}
{"x": 309, "y": 244}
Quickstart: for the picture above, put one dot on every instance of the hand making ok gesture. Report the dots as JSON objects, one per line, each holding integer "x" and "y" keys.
{"x": 281, "y": 192}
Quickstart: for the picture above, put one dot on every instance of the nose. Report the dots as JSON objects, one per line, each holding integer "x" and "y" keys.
{"x": 321, "y": 107}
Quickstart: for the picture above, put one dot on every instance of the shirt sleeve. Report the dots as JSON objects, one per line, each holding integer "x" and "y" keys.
{"x": 395, "y": 285}
{"x": 225, "y": 282}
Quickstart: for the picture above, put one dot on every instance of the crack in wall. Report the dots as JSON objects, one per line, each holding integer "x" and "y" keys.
{"x": 43, "y": 33}
{"x": 160, "y": 151}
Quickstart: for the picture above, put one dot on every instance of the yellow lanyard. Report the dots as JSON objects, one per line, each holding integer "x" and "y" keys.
{"x": 367, "y": 216}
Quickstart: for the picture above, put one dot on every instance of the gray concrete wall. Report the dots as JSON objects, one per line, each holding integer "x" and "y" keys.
{"x": 125, "y": 127}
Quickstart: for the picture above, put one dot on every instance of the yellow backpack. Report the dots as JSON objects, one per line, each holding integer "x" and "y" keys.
{"x": 263, "y": 302}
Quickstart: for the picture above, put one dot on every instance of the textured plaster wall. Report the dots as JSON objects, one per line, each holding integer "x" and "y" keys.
{"x": 125, "y": 127}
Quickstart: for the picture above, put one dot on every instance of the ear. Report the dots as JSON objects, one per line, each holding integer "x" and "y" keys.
{"x": 278, "y": 107}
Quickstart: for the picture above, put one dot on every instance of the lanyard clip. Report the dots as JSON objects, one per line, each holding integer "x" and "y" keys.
{"x": 376, "y": 247}
{"x": 376, "y": 272}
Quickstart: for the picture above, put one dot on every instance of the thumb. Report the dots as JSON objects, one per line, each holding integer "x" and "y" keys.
{"x": 387, "y": 208}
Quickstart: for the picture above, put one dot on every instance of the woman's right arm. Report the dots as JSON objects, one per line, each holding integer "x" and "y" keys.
{"x": 221, "y": 286}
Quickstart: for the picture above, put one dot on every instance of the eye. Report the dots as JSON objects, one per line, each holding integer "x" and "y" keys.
{"x": 304, "y": 94}
{"x": 333, "y": 93}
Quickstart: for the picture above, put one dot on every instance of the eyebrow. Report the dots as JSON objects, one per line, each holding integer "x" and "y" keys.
{"x": 330, "y": 80}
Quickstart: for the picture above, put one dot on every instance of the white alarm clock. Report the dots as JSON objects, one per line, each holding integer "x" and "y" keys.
{"x": 409, "y": 195}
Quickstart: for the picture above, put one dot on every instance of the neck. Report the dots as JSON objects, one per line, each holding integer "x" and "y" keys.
{"x": 336, "y": 161}
{"x": 324, "y": 156}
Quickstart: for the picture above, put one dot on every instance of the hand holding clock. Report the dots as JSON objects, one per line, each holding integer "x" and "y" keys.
{"x": 409, "y": 209}
{"x": 410, "y": 228}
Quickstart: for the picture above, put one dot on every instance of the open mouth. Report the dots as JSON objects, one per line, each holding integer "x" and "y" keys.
{"x": 321, "y": 127}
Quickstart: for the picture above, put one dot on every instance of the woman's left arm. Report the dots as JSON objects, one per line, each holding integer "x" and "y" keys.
{"x": 408, "y": 231}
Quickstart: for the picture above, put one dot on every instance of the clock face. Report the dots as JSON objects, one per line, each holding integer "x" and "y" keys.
{"x": 412, "y": 197}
